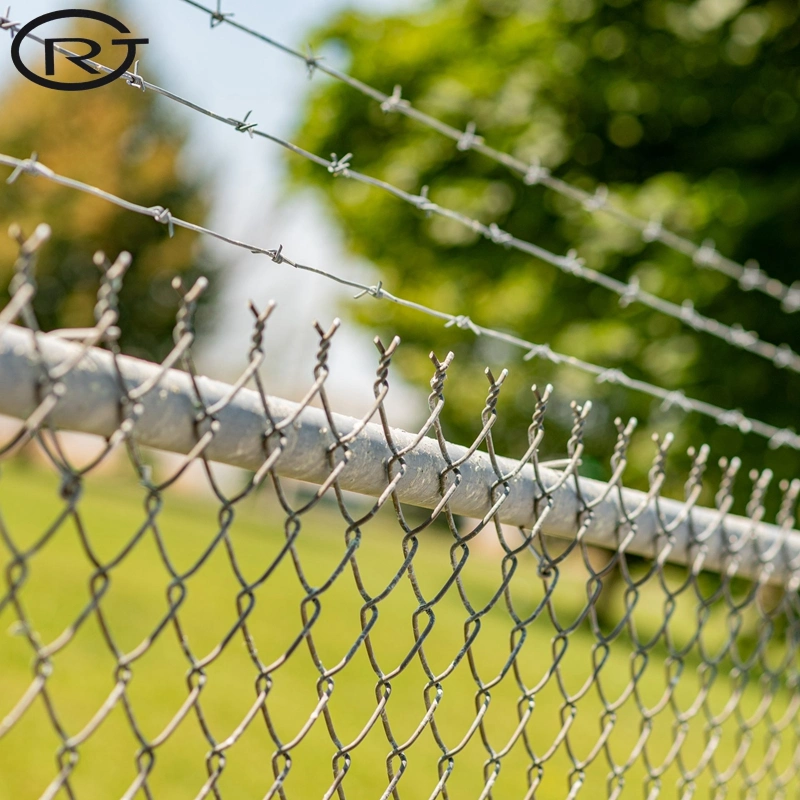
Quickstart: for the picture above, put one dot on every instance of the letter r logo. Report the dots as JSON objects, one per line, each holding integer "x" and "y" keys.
{"x": 52, "y": 45}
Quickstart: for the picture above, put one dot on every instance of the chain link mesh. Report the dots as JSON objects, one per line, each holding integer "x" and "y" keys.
{"x": 289, "y": 639}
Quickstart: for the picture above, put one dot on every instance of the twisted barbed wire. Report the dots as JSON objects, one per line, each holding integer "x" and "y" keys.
{"x": 675, "y": 688}
{"x": 671, "y": 398}
{"x": 749, "y": 276}
{"x": 780, "y": 356}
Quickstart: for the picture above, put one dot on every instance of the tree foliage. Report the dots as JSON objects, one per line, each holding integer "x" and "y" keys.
{"x": 125, "y": 142}
{"x": 687, "y": 111}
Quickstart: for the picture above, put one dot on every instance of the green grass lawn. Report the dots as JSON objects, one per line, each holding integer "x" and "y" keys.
{"x": 135, "y": 602}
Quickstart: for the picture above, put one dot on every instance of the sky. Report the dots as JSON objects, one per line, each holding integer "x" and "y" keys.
{"x": 232, "y": 73}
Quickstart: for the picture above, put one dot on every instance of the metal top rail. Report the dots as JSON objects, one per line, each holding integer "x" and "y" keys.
{"x": 525, "y": 494}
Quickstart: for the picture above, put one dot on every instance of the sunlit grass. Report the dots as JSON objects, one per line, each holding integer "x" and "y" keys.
{"x": 135, "y": 603}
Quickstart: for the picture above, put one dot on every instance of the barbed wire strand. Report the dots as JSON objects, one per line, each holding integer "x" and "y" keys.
{"x": 749, "y": 275}
{"x": 781, "y": 356}
{"x": 776, "y": 436}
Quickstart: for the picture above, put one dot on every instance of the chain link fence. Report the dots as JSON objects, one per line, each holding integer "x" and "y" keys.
{"x": 369, "y": 612}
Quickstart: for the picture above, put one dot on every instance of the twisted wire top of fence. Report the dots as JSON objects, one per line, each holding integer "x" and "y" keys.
{"x": 527, "y": 493}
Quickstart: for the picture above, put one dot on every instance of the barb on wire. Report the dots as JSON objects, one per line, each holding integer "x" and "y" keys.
{"x": 7, "y": 24}
{"x": 135, "y": 79}
{"x": 778, "y": 437}
{"x": 218, "y": 17}
{"x": 244, "y": 127}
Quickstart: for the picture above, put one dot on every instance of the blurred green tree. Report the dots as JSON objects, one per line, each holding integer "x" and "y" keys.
{"x": 687, "y": 111}
{"x": 121, "y": 140}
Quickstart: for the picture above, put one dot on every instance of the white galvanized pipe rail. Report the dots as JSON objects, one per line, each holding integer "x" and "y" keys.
{"x": 90, "y": 404}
